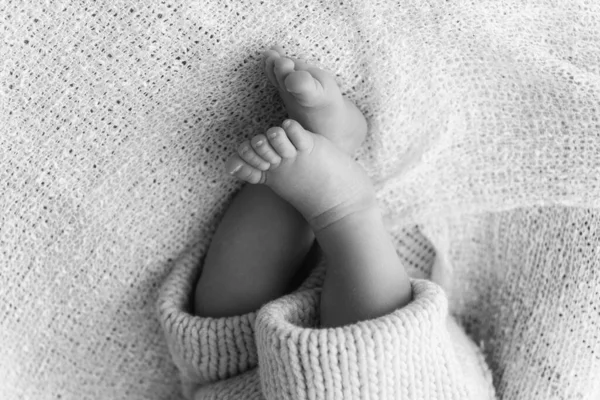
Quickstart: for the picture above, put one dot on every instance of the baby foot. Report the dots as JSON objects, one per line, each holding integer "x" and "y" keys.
{"x": 313, "y": 98}
{"x": 316, "y": 177}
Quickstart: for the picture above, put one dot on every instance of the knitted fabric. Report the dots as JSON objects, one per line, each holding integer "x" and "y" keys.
{"x": 116, "y": 119}
{"x": 414, "y": 352}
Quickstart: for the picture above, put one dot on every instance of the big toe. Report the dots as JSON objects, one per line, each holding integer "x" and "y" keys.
{"x": 304, "y": 87}
{"x": 282, "y": 68}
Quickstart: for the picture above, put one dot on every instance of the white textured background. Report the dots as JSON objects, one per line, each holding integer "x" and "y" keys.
{"x": 115, "y": 118}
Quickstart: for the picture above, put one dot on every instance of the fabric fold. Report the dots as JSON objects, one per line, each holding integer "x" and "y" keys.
{"x": 406, "y": 354}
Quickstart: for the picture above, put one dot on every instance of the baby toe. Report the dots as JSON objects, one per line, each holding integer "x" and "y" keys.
{"x": 302, "y": 83}
{"x": 270, "y": 54}
{"x": 240, "y": 169}
{"x": 300, "y": 63}
{"x": 269, "y": 60}
{"x": 264, "y": 150}
{"x": 280, "y": 142}
{"x": 248, "y": 154}
{"x": 282, "y": 66}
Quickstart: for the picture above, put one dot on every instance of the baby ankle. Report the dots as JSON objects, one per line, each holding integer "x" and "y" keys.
{"x": 366, "y": 203}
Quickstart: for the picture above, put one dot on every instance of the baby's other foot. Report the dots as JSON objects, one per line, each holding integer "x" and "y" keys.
{"x": 320, "y": 180}
{"x": 313, "y": 98}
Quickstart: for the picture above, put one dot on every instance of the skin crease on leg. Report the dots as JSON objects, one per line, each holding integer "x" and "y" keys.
{"x": 262, "y": 240}
{"x": 257, "y": 213}
{"x": 364, "y": 278}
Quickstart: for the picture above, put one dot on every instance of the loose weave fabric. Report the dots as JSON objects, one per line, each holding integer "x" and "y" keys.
{"x": 116, "y": 119}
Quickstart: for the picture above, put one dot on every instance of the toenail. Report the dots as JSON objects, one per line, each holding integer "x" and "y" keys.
{"x": 272, "y": 134}
{"x": 259, "y": 143}
{"x": 236, "y": 169}
{"x": 286, "y": 123}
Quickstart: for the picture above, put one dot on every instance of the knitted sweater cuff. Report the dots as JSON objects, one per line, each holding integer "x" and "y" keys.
{"x": 406, "y": 354}
{"x": 204, "y": 349}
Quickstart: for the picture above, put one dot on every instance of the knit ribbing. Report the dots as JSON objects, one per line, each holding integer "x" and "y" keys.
{"x": 205, "y": 349}
{"x": 216, "y": 357}
{"x": 405, "y": 354}
{"x": 242, "y": 387}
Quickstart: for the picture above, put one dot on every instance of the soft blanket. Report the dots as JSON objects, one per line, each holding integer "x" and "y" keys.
{"x": 116, "y": 118}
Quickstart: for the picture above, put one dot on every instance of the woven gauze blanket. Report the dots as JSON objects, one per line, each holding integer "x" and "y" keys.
{"x": 116, "y": 119}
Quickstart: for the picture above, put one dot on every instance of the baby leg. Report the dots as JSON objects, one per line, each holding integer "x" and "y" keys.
{"x": 365, "y": 278}
{"x": 259, "y": 245}
{"x": 262, "y": 240}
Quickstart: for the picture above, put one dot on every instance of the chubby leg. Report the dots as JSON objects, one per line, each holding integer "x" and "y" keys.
{"x": 365, "y": 278}
{"x": 259, "y": 245}
{"x": 262, "y": 240}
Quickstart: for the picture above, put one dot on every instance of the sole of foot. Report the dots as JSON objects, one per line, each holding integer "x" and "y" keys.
{"x": 310, "y": 172}
{"x": 313, "y": 98}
